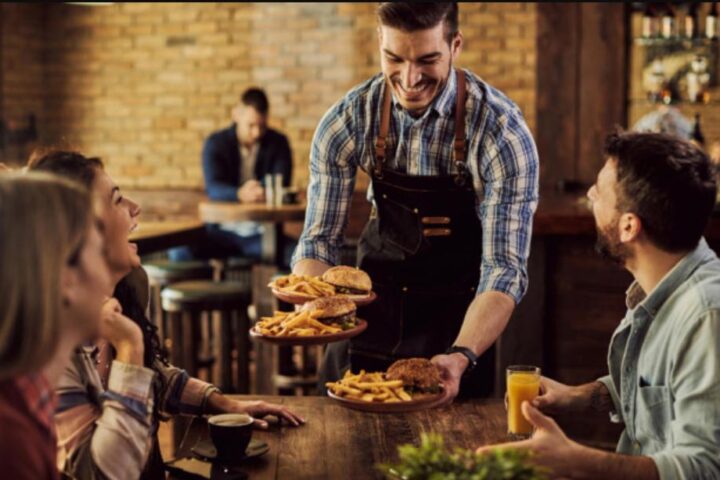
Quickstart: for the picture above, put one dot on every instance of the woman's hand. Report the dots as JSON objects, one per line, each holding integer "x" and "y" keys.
{"x": 122, "y": 333}
{"x": 255, "y": 408}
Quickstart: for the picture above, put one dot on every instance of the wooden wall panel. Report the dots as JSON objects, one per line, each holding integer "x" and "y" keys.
{"x": 581, "y": 93}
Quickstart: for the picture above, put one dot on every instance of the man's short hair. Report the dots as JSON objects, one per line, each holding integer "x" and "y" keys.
{"x": 411, "y": 16}
{"x": 668, "y": 182}
{"x": 255, "y": 98}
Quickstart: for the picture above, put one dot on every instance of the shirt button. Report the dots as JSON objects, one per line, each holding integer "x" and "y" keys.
{"x": 627, "y": 409}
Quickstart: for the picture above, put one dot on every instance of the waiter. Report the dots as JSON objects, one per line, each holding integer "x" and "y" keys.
{"x": 454, "y": 174}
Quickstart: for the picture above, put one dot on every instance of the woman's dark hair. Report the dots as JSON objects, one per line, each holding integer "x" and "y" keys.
{"x": 256, "y": 98}
{"x": 82, "y": 169}
{"x": 412, "y": 16}
{"x": 666, "y": 181}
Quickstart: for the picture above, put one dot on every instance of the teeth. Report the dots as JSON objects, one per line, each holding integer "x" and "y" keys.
{"x": 134, "y": 227}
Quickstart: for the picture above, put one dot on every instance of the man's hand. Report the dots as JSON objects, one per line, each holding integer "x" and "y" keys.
{"x": 451, "y": 368}
{"x": 549, "y": 445}
{"x": 222, "y": 404}
{"x": 555, "y": 397}
{"x": 251, "y": 192}
{"x": 122, "y": 333}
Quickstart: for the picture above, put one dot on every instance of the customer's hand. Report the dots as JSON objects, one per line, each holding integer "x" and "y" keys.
{"x": 549, "y": 445}
{"x": 555, "y": 397}
{"x": 124, "y": 334}
{"x": 251, "y": 192}
{"x": 219, "y": 403}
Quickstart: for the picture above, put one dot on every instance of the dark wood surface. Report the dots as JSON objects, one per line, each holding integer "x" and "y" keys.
{"x": 156, "y": 236}
{"x": 340, "y": 443}
{"x": 581, "y": 78}
{"x": 222, "y": 212}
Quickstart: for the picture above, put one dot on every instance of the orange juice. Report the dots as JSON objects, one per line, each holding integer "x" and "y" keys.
{"x": 521, "y": 386}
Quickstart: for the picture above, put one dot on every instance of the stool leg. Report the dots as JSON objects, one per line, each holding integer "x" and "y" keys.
{"x": 226, "y": 338}
{"x": 176, "y": 337}
{"x": 191, "y": 330}
{"x": 243, "y": 347}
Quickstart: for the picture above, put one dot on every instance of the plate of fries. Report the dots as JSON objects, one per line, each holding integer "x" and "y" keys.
{"x": 298, "y": 289}
{"x": 373, "y": 392}
{"x": 302, "y": 328}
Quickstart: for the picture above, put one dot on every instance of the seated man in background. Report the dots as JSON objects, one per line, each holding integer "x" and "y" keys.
{"x": 651, "y": 203}
{"x": 235, "y": 161}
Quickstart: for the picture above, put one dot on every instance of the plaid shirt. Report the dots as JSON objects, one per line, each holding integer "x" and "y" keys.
{"x": 502, "y": 159}
{"x": 39, "y": 398}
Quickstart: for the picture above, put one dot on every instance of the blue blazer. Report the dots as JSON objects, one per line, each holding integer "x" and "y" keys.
{"x": 221, "y": 161}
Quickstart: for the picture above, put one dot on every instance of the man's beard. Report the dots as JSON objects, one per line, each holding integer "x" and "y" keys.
{"x": 608, "y": 243}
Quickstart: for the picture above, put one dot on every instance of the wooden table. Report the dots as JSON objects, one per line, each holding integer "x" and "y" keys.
{"x": 272, "y": 219}
{"x": 155, "y": 236}
{"x": 340, "y": 443}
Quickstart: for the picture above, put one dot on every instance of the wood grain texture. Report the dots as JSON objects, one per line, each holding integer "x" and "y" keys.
{"x": 340, "y": 443}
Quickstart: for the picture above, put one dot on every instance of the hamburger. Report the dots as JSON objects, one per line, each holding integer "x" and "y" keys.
{"x": 418, "y": 375}
{"x": 334, "y": 311}
{"x": 348, "y": 280}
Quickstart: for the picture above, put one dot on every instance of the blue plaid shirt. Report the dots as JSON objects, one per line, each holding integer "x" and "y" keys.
{"x": 502, "y": 159}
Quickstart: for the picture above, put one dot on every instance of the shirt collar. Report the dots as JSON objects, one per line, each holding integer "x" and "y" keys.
{"x": 635, "y": 297}
{"x": 443, "y": 103}
{"x": 39, "y": 398}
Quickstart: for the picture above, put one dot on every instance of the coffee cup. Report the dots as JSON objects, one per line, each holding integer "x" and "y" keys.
{"x": 231, "y": 434}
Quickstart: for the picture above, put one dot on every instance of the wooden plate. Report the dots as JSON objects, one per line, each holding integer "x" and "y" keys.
{"x": 299, "y": 298}
{"x": 419, "y": 402}
{"x": 314, "y": 339}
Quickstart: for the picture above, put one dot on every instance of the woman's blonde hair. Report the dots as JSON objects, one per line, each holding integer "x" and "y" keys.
{"x": 43, "y": 223}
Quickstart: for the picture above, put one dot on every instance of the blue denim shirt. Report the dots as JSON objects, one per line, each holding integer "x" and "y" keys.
{"x": 664, "y": 363}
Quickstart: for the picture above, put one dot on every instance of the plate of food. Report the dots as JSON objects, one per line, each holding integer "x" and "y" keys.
{"x": 350, "y": 282}
{"x": 408, "y": 385}
{"x": 325, "y": 320}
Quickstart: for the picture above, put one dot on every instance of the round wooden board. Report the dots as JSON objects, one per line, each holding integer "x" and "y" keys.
{"x": 299, "y": 299}
{"x": 425, "y": 401}
{"x": 312, "y": 340}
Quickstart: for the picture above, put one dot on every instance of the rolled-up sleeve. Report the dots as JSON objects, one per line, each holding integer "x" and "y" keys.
{"x": 616, "y": 412}
{"x": 332, "y": 179}
{"x": 695, "y": 425}
{"x": 509, "y": 169}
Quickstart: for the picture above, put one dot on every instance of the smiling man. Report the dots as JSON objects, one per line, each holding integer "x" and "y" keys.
{"x": 651, "y": 203}
{"x": 454, "y": 174}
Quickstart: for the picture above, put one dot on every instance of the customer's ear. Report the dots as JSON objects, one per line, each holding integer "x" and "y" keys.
{"x": 69, "y": 285}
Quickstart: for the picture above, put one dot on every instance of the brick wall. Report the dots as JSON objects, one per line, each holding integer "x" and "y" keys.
{"x": 21, "y": 71}
{"x": 143, "y": 84}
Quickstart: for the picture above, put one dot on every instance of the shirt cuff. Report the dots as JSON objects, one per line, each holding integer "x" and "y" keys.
{"x": 504, "y": 280}
{"x": 315, "y": 250}
{"x": 616, "y": 414}
{"x": 668, "y": 466}
{"x": 131, "y": 386}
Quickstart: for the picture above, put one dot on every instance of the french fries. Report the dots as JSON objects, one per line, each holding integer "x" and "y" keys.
{"x": 304, "y": 285}
{"x": 293, "y": 324}
{"x": 369, "y": 387}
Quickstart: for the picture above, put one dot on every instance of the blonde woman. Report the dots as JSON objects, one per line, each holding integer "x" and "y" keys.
{"x": 53, "y": 281}
{"x": 109, "y": 430}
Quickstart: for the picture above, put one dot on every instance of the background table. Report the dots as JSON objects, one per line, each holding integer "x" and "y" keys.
{"x": 272, "y": 219}
{"x": 340, "y": 443}
{"x": 155, "y": 236}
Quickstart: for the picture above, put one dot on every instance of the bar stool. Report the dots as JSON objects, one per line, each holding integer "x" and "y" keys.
{"x": 185, "y": 302}
{"x": 161, "y": 273}
{"x": 238, "y": 269}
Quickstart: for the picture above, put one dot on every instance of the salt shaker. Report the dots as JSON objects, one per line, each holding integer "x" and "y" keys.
{"x": 278, "y": 189}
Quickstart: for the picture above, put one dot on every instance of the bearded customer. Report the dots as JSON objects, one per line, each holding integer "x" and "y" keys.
{"x": 651, "y": 202}
{"x": 454, "y": 174}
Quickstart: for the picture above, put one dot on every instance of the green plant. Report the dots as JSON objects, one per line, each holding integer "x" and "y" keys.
{"x": 431, "y": 460}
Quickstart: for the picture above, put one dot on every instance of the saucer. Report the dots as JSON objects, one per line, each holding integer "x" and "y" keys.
{"x": 205, "y": 450}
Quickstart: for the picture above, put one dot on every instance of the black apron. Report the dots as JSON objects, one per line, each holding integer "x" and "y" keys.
{"x": 422, "y": 250}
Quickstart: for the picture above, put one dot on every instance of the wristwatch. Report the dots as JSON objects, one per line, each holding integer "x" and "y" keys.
{"x": 469, "y": 354}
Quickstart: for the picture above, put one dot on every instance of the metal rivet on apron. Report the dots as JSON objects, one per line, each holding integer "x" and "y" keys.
{"x": 416, "y": 210}
{"x": 404, "y": 289}
{"x": 384, "y": 196}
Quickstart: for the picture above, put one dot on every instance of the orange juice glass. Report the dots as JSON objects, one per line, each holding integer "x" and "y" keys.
{"x": 523, "y": 383}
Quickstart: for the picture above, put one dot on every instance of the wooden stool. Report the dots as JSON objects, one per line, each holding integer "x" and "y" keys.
{"x": 237, "y": 269}
{"x": 185, "y": 302}
{"x": 161, "y": 273}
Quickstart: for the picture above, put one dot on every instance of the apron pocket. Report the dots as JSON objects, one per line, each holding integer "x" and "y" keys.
{"x": 400, "y": 226}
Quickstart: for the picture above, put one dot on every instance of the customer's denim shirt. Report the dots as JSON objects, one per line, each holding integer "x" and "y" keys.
{"x": 664, "y": 363}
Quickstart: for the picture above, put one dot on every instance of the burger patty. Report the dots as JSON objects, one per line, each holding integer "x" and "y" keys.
{"x": 349, "y": 291}
{"x": 345, "y": 322}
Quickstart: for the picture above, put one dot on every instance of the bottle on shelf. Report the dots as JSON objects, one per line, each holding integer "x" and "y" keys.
{"x": 649, "y": 22}
{"x": 711, "y": 22}
{"x": 667, "y": 23}
{"x": 697, "y": 135}
{"x": 692, "y": 29}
